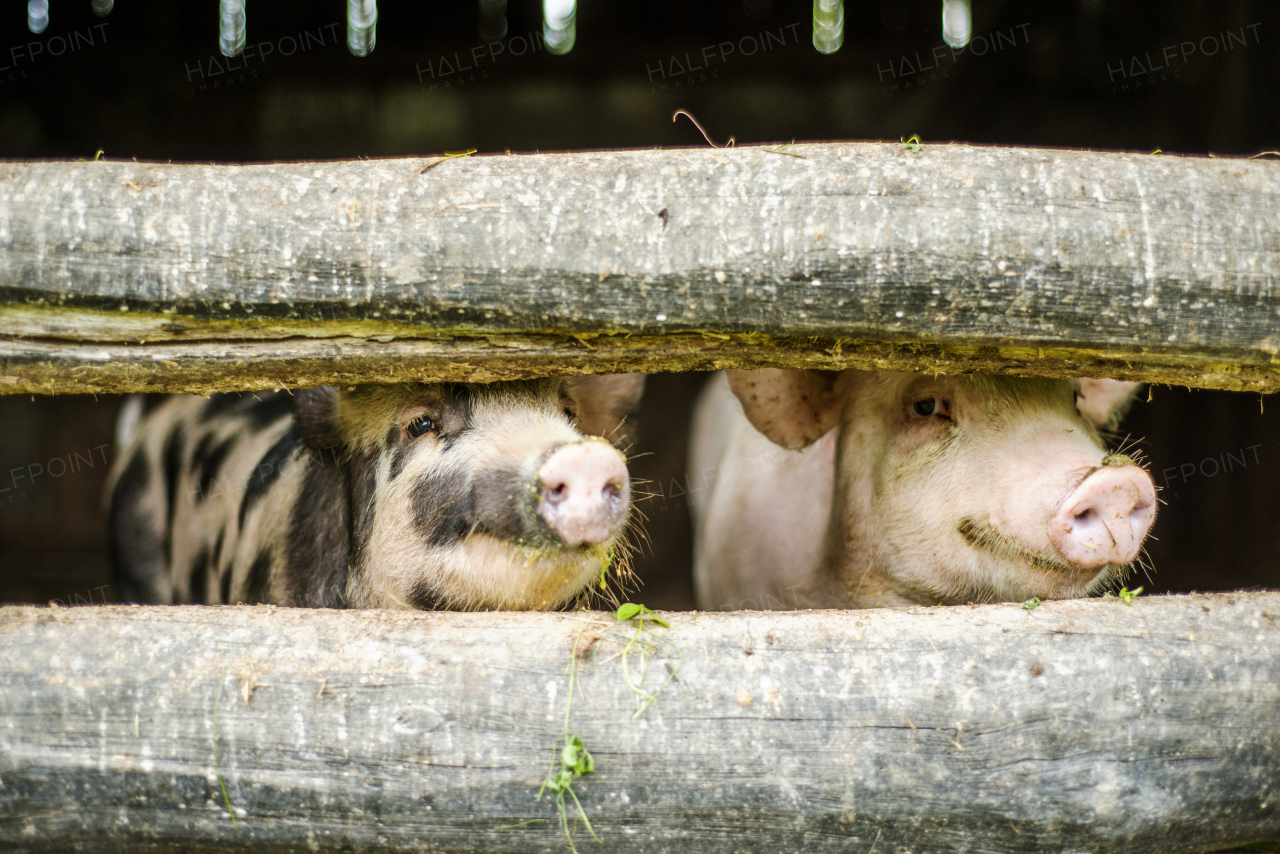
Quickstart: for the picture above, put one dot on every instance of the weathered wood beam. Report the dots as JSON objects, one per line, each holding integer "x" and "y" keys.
{"x": 1076, "y": 726}
{"x": 127, "y": 276}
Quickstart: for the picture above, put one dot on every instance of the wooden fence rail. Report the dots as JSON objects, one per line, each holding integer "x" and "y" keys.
{"x": 138, "y": 276}
{"x": 1076, "y": 726}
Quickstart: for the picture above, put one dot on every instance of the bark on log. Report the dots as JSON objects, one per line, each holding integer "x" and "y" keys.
{"x": 1080, "y": 725}
{"x": 129, "y": 277}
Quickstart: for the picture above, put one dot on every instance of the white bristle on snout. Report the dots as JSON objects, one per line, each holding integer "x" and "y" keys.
{"x": 584, "y": 492}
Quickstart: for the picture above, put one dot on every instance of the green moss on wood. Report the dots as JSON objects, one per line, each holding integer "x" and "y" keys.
{"x": 203, "y": 366}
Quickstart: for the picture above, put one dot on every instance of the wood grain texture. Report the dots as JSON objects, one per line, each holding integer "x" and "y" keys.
{"x": 127, "y": 276}
{"x": 1081, "y": 725}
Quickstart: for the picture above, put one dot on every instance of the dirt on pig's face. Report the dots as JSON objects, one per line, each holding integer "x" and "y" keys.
{"x": 977, "y": 488}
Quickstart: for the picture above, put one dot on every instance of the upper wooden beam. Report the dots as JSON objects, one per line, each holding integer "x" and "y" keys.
{"x": 139, "y": 276}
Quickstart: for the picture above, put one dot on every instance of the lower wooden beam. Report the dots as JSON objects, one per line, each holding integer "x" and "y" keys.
{"x": 1082, "y": 725}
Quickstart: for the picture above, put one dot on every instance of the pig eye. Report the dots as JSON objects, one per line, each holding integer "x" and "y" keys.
{"x": 420, "y": 426}
{"x": 931, "y": 407}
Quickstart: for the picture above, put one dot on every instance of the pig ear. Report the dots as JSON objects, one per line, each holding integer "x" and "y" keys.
{"x": 793, "y": 409}
{"x": 316, "y": 410}
{"x": 604, "y": 402}
{"x": 1103, "y": 402}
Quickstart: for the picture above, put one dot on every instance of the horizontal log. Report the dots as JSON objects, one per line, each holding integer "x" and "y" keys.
{"x": 137, "y": 277}
{"x": 1078, "y": 725}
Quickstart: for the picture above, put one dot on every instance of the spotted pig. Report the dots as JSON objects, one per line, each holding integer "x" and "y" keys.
{"x": 452, "y": 495}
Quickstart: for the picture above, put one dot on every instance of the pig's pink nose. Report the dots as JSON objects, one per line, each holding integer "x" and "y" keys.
{"x": 584, "y": 492}
{"x": 1105, "y": 518}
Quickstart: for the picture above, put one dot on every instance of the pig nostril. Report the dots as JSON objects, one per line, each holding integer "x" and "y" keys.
{"x": 581, "y": 493}
{"x": 1105, "y": 518}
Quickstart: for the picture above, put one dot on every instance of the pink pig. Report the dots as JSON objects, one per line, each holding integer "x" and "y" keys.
{"x": 903, "y": 489}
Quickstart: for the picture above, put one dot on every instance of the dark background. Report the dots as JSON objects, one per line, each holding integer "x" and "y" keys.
{"x": 147, "y": 82}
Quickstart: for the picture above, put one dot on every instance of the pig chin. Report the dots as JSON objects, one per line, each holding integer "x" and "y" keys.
{"x": 488, "y": 572}
{"x": 483, "y": 572}
{"x": 1028, "y": 572}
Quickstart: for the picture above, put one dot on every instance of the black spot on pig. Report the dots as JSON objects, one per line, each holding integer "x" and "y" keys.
{"x": 224, "y": 589}
{"x": 202, "y": 448}
{"x": 399, "y": 450}
{"x": 362, "y": 494}
{"x": 443, "y": 509}
{"x": 258, "y": 583}
{"x": 267, "y": 470}
{"x": 506, "y": 505}
{"x": 209, "y": 463}
{"x": 398, "y": 457}
{"x": 137, "y": 550}
{"x": 264, "y": 411}
{"x": 424, "y": 597}
{"x": 317, "y": 544}
{"x": 172, "y": 471}
{"x": 219, "y": 404}
{"x": 130, "y": 486}
{"x": 199, "y": 583}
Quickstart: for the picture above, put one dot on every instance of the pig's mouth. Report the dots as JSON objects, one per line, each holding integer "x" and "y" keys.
{"x": 984, "y": 537}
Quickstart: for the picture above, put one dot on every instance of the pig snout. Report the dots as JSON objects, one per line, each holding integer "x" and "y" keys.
{"x": 583, "y": 492}
{"x": 1105, "y": 518}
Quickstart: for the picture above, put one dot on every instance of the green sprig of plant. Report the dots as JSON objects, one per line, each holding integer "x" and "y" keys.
{"x": 572, "y": 760}
{"x": 640, "y": 616}
{"x": 913, "y": 144}
{"x": 630, "y": 610}
{"x": 604, "y": 568}
{"x": 1031, "y": 604}
{"x": 1125, "y": 594}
